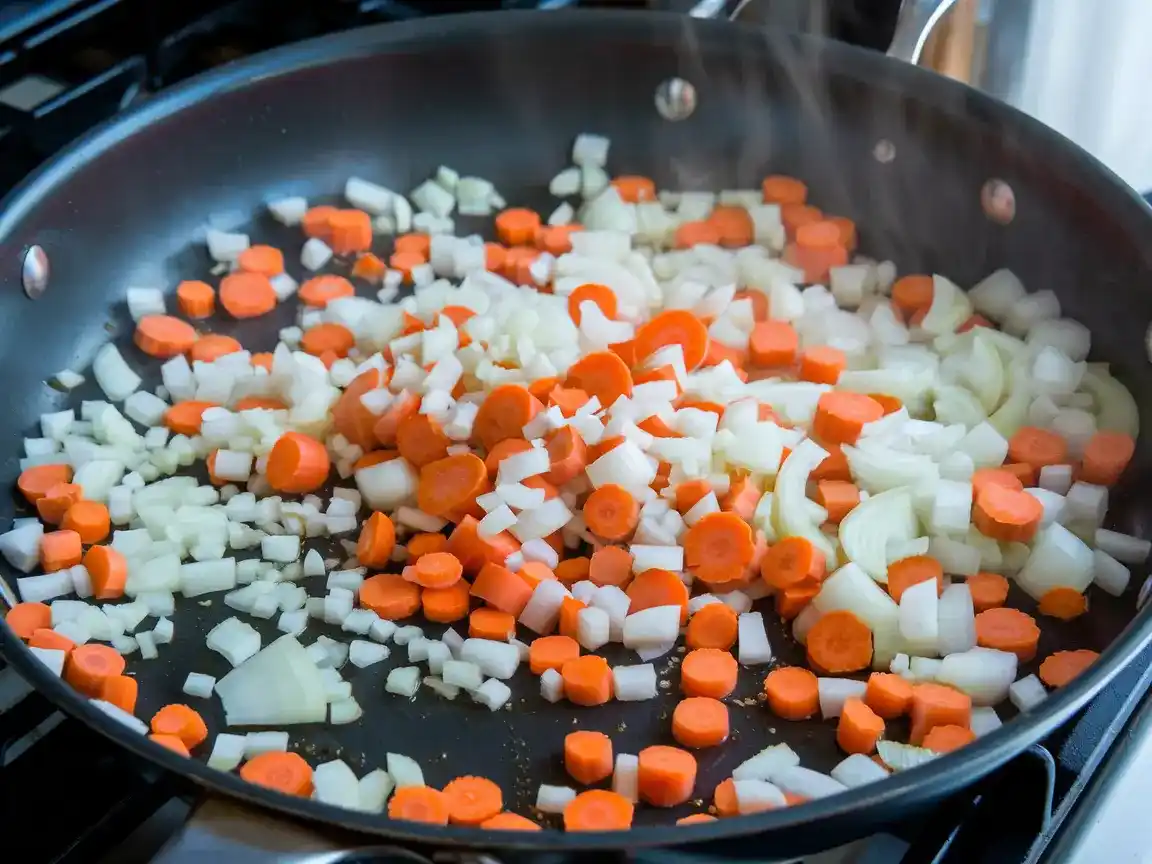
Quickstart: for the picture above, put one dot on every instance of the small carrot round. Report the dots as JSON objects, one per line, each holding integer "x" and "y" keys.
{"x": 701, "y": 233}
{"x": 377, "y": 540}
{"x": 936, "y": 705}
{"x": 611, "y": 565}
{"x": 634, "y": 188}
{"x": 24, "y": 619}
{"x": 889, "y": 695}
{"x": 696, "y": 819}
{"x": 35, "y": 482}
{"x": 792, "y": 693}
{"x": 50, "y": 639}
{"x": 297, "y": 464}
{"x": 89, "y": 519}
{"x": 983, "y": 477}
{"x": 838, "y": 643}
{"x": 472, "y": 800}
{"x": 491, "y": 624}
{"x": 247, "y": 295}
{"x": 708, "y": 672}
{"x": 196, "y": 299}
{"x": 601, "y": 374}
{"x": 1061, "y": 667}
{"x": 822, "y": 364}
{"x": 421, "y": 439}
{"x": 792, "y": 561}
{"x": 419, "y": 545}
{"x": 781, "y": 189}
{"x": 212, "y": 347}
{"x": 503, "y": 414}
{"x": 171, "y": 742}
{"x": 611, "y": 512}
{"x": 796, "y": 216}
{"x": 666, "y": 776}
{"x": 509, "y": 822}
{"x": 700, "y": 721}
{"x": 285, "y": 772}
{"x": 587, "y": 680}
{"x": 715, "y": 626}
{"x": 837, "y": 498}
{"x": 369, "y": 267}
{"x": 183, "y": 722}
{"x": 319, "y": 291}
{"x": 535, "y": 572}
{"x": 185, "y": 418}
{"x": 551, "y": 652}
{"x": 689, "y": 493}
{"x": 945, "y": 739}
{"x": 1063, "y": 603}
{"x": 1105, "y": 457}
{"x": 674, "y": 327}
{"x": 906, "y": 572}
{"x": 588, "y": 756}
{"x": 108, "y": 571}
{"x": 658, "y": 588}
{"x": 315, "y": 221}
{"x": 567, "y": 455}
{"x": 841, "y": 416}
{"x": 734, "y": 224}
{"x": 121, "y": 691}
{"x": 988, "y": 590}
{"x": 773, "y": 343}
{"x": 719, "y": 547}
{"x": 517, "y": 226}
{"x": 501, "y": 451}
{"x": 451, "y": 483}
{"x": 329, "y": 336}
{"x": 570, "y": 609}
{"x": 724, "y": 799}
{"x": 57, "y": 501}
{"x": 598, "y": 810}
{"x": 601, "y": 295}
{"x": 573, "y": 570}
{"x": 390, "y": 596}
{"x": 60, "y": 550}
{"x": 446, "y": 605}
{"x": 438, "y": 570}
{"x": 90, "y": 665}
{"x": 816, "y": 249}
{"x": 349, "y": 231}
{"x": 1006, "y": 514}
{"x": 1007, "y": 629}
{"x": 859, "y": 728}
{"x": 911, "y": 294}
{"x": 502, "y": 589}
{"x": 1037, "y": 447}
{"x": 265, "y": 260}
{"x": 164, "y": 336}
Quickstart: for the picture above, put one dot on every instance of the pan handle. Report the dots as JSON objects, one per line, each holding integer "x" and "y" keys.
{"x": 914, "y": 23}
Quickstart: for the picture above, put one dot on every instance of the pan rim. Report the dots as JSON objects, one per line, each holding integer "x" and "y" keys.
{"x": 942, "y": 776}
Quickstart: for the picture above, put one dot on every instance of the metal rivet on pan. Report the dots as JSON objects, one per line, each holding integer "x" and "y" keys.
{"x": 675, "y": 99}
{"x": 998, "y": 201}
{"x": 34, "y": 272}
{"x": 884, "y": 151}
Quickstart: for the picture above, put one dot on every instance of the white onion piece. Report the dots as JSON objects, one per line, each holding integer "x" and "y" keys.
{"x": 552, "y": 686}
{"x": 625, "y": 776}
{"x": 373, "y": 791}
{"x": 766, "y": 764}
{"x": 493, "y": 694}
{"x": 1027, "y": 693}
{"x": 901, "y": 757}
{"x": 462, "y": 674}
{"x": 654, "y": 626}
{"x": 1123, "y": 547}
{"x": 753, "y": 647}
{"x": 277, "y": 686}
{"x": 756, "y": 796}
{"x": 1109, "y": 574}
{"x": 956, "y": 631}
{"x": 1116, "y": 409}
{"x": 634, "y": 683}
{"x": 543, "y": 609}
{"x": 858, "y": 770}
{"x": 834, "y": 692}
{"x": 806, "y": 782}
{"x": 403, "y": 770}
{"x": 790, "y": 515}
{"x": 919, "y": 626}
{"x": 851, "y": 589}
{"x": 1059, "y": 559}
{"x": 403, "y": 681}
{"x": 866, "y": 532}
{"x": 494, "y": 659}
{"x": 983, "y": 673}
{"x": 120, "y": 715}
{"x": 984, "y": 720}
{"x": 553, "y": 799}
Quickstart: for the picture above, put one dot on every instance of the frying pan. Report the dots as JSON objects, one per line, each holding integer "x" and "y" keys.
{"x": 902, "y": 152}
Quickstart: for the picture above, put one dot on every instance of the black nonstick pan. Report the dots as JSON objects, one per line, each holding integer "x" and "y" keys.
{"x": 904, "y": 153}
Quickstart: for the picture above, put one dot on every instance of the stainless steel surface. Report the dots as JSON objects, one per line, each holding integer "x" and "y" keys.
{"x": 917, "y": 20}
{"x": 34, "y": 272}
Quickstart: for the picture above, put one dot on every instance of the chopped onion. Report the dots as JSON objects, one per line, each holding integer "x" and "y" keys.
{"x": 552, "y": 686}
{"x": 1059, "y": 559}
{"x": 543, "y": 609}
{"x": 984, "y": 720}
{"x": 883, "y": 519}
{"x": 227, "y": 751}
{"x": 1123, "y": 547}
{"x": 808, "y": 783}
{"x": 462, "y": 674}
{"x": 901, "y": 757}
{"x": 279, "y": 685}
{"x": 956, "y": 628}
{"x": 492, "y": 694}
{"x": 403, "y": 770}
{"x": 983, "y": 673}
{"x": 756, "y": 796}
{"x": 753, "y": 646}
{"x": 1027, "y": 693}
{"x": 239, "y": 642}
{"x": 858, "y": 770}
{"x": 494, "y": 659}
{"x": 554, "y": 799}
{"x": 1109, "y": 574}
{"x": 657, "y": 625}
{"x": 403, "y": 681}
{"x": 374, "y": 789}
{"x": 767, "y": 764}
{"x": 919, "y": 626}
{"x": 634, "y": 683}
{"x": 625, "y": 776}
{"x": 834, "y": 692}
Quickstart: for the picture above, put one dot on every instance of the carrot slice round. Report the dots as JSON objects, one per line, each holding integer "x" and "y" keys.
{"x": 674, "y": 327}
{"x": 164, "y": 336}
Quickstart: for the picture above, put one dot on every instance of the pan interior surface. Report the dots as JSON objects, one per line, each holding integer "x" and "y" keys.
{"x": 503, "y": 100}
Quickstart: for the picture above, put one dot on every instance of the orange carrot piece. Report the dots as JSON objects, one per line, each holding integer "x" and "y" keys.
{"x": 501, "y": 451}
{"x": 285, "y": 772}
{"x": 658, "y": 588}
{"x": 796, "y": 216}
{"x": 889, "y": 695}
{"x": 265, "y": 260}
{"x": 183, "y": 722}
{"x": 349, "y": 231}
{"x": 945, "y": 739}
{"x": 792, "y": 601}
{"x": 1007, "y": 629}
{"x": 611, "y": 565}
{"x": 598, "y": 810}
{"x": 792, "y": 692}
{"x": 724, "y": 799}
{"x": 35, "y": 482}
{"x": 781, "y": 189}
{"x": 509, "y": 822}
{"x": 773, "y": 343}
{"x": 171, "y": 742}
{"x": 633, "y": 188}
{"x": 822, "y": 364}
{"x": 388, "y": 423}
{"x": 502, "y": 589}
{"x": 838, "y": 498}
{"x": 834, "y": 467}
{"x": 212, "y": 347}
{"x": 984, "y": 477}
{"x": 532, "y": 573}
{"x": 421, "y": 439}
{"x": 377, "y": 540}
{"x": 588, "y": 756}
{"x": 446, "y": 605}
{"x": 1061, "y": 667}
{"x": 557, "y": 239}
{"x": 906, "y": 572}
{"x": 491, "y": 623}
{"x": 196, "y": 299}
{"x": 696, "y": 819}
{"x": 708, "y": 672}
{"x": 297, "y": 464}
{"x": 1008, "y": 515}
{"x": 329, "y": 336}
{"x": 700, "y": 721}
{"x": 121, "y": 691}
{"x": 689, "y": 493}
{"x": 689, "y": 234}
{"x": 1063, "y": 603}
{"x": 911, "y": 294}
{"x": 816, "y": 249}
{"x": 89, "y": 519}
{"x": 164, "y": 336}
{"x": 503, "y": 414}
{"x": 715, "y": 626}
{"x": 551, "y": 652}
{"x": 587, "y": 680}
{"x": 60, "y": 550}
{"x": 517, "y": 226}
{"x": 185, "y": 418}
{"x": 108, "y": 572}
{"x": 50, "y": 639}
{"x": 674, "y": 327}
{"x": 859, "y": 728}
{"x": 247, "y": 295}
{"x": 839, "y": 643}
{"x": 420, "y": 804}
{"x": 57, "y": 501}
{"x": 90, "y": 665}
{"x": 792, "y": 561}
{"x": 369, "y": 267}
{"x": 390, "y": 596}
{"x": 841, "y": 416}
{"x": 475, "y": 551}
{"x": 24, "y": 619}
{"x": 567, "y": 455}
{"x": 611, "y": 512}
{"x": 319, "y": 291}
{"x": 734, "y": 225}
{"x": 451, "y": 484}
{"x": 472, "y": 800}
{"x": 315, "y": 222}
{"x": 573, "y": 570}
{"x": 601, "y": 374}
{"x": 988, "y": 590}
{"x": 719, "y": 547}
{"x": 666, "y": 776}
{"x": 570, "y": 609}
{"x": 936, "y": 705}
{"x": 601, "y": 295}
{"x": 1037, "y": 447}
{"x": 438, "y": 570}
{"x": 1105, "y": 457}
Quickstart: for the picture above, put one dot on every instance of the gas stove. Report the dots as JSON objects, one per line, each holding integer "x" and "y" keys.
{"x": 66, "y": 65}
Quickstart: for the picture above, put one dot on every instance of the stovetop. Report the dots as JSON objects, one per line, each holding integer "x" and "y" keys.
{"x": 66, "y": 65}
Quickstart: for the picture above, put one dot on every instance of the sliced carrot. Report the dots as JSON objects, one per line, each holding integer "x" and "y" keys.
{"x": 567, "y": 455}
{"x": 388, "y": 424}
{"x": 35, "y": 482}
{"x": 606, "y": 445}
{"x": 570, "y": 609}
{"x": 719, "y": 547}
{"x": 598, "y": 810}
{"x": 406, "y": 262}
{"x": 266, "y": 260}
{"x": 89, "y": 519}
{"x": 734, "y": 225}
{"x": 51, "y": 640}
{"x": 319, "y": 291}
{"x": 834, "y": 467}
{"x": 781, "y": 189}
{"x": 666, "y": 776}
{"x": 587, "y": 680}
{"x": 164, "y": 336}
{"x": 475, "y": 551}
{"x": 265, "y": 403}
{"x": 446, "y": 605}
{"x": 708, "y": 672}
{"x": 906, "y": 572}
{"x": 1022, "y": 471}
{"x": 822, "y": 364}
{"x": 518, "y": 263}
{"x": 911, "y": 294}
{"x": 425, "y": 543}
{"x": 551, "y": 652}
{"x": 438, "y": 570}
{"x": 1007, "y": 629}
{"x": 568, "y": 399}
{"x": 945, "y": 739}
{"x": 700, "y": 721}
{"x": 60, "y": 550}
{"x": 1063, "y": 603}
{"x": 1037, "y": 447}
{"x": 936, "y": 705}
{"x": 847, "y": 229}
{"x": 601, "y": 295}
{"x": 494, "y": 257}
{"x": 503, "y": 414}
{"x": 1060, "y": 668}
{"x": 24, "y": 619}
{"x": 759, "y": 302}
{"x": 889, "y": 695}
{"x": 796, "y": 216}
{"x": 491, "y": 624}
{"x": 973, "y": 321}
{"x": 715, "y": 626}
{"x": 183, "y": 722}
{"x": 374, "y": 458}
{"x": 792, "y": 692}
{"x": 390, "y": 596}
{"x": 792, "y": 601}
{"x": 56, "y": 502}
{"x": 816, "y": 249}
{"x": 557, "y": 239}
{"x": 838, "y": 498}
{"x": 121, "y": 691}
{"x": 171, "y": 742}
{"x": 532, "y": 573}
{"x": 329, "y": 336}
{"x": 773, "y": 343}
{"x": 509, "y": 822}
{"x": 689, "y": 234}
{"x": 420, "y": 439}
{"x": 285, "y": 772}
{"x": 841, "y": 416}
{"x": 696, "y": 819}
{"x": 502, "y": 589}
{"x": 573, "y": 570}
{"x": 1105, "y": 457}
{"x": 601, "y": 374}
{"x": 742, "y": 497}
{"x": 416, "y": 242}
{"x": 658, "y": 588}
{"x": 674, "y": 327}
{"x": 988, "y": 590}
{"x": 377, "y": 540}
{"x": 185, "y": 418}
{"x": 611, "y": 565}
{"x": 108, "y": 571}
{"x": 297, "y": 464}
{"x": 349, "y": 231}
{"x": 839, "y": 643}
{"x": 315, "y": 222}
{"x": 90, "y": 665}
{"x": 501, "y": 451}
{"x": 633, "y": 188}
{"x": 1008, "y": 515}
{"x": 792, "y": 561}
{"x": 689, "y": 493}
{"x": 369, "y": 267}
{"x": 451, "y": 484}
{"x": 588, "y": 756}
{"x": 984, "y": 477}
{"x": 517, "y": 226}
{"x": 724, "y": 799}
{"x": 472, "y": 800}
{"x": 859, "y": 728}
{"x": 247, "y": 295}
{"x": 196, "y": 299}
{"x": 611, "y": 512}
